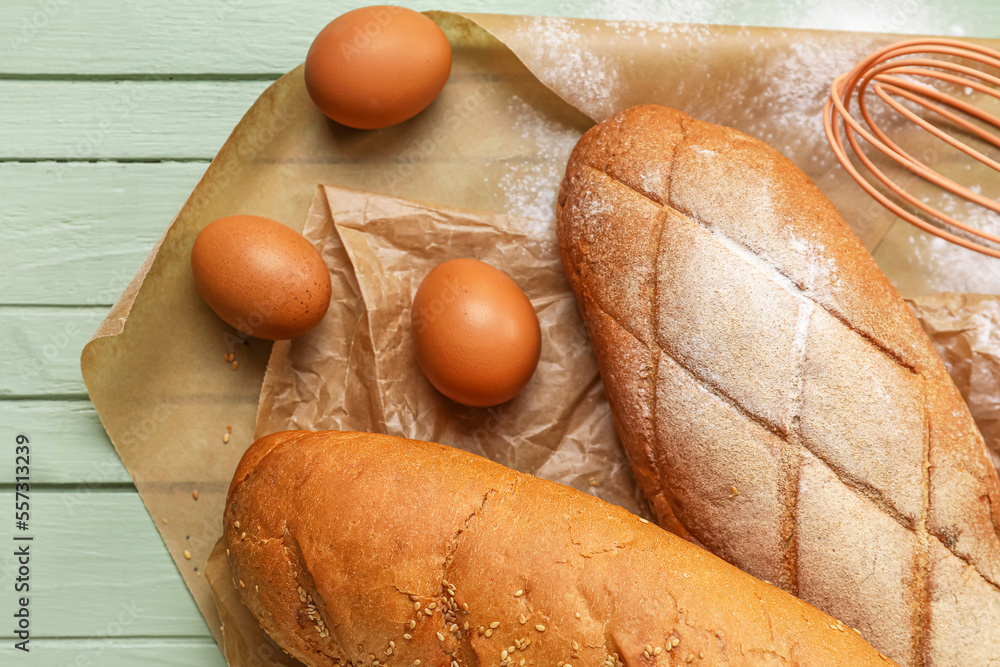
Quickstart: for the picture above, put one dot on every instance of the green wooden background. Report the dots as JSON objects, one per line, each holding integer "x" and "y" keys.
{"x": 109, "y": 113}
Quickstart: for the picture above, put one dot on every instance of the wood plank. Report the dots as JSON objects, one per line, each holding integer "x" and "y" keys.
{"x": 240, "y": 37}
{"x": 68, "y": 443}
{"x": 94, "y": 120}
{"x": 97, "y": 563}
{"x": 42, "y": 350}
{"x": 110, "y": 651}
{"x": 97, "y": 225}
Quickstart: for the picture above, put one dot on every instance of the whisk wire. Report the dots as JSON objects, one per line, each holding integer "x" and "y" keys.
{"x": 880, "y": 73}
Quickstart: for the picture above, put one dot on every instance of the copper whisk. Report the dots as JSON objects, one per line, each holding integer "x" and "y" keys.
{"x": 882, "y": 72}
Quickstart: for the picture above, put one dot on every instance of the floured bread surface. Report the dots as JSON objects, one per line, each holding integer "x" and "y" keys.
{"x": 365, "y": 550}
{"x": 778, "y": 401}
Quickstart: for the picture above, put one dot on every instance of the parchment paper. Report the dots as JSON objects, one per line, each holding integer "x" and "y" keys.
{"x": 965, "y": 330}
{"x": 357, "y": 370}
{"x": 496, "y": 141}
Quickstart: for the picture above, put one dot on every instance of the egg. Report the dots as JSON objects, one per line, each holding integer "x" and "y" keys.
{"x": 261, "y": 277}
{"x": 475, "y": 333}
{"x": 377, "y": 66}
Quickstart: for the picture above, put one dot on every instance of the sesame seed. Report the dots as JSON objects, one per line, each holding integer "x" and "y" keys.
{"x": 643, "y": 520}
{"x": 432, "y": 605}
{"x": 518, "y": 593}
{"x": 576, "y": 647}
{"x": 649, "y": 649}
{"x": 646, "y": 654}
{"x": 256, "y": 588}
{"x": 225, "y": 438}
{"x": 453, "y": 628}
{"x": 243, "y": 535}
{"x": 668, "y": 647}
{"x": 465, "y": 606}
{"x": 454, "y": 663}
{"x": 465, "y": 626}
{"x": 540, "y": 627}
{"x": 489, "y": 633}
{"x": 388, "y": 651}
{"x": 522, "y": 662}
{"x": 242, "y": 585}
{"x": 657, "y": 650}
{"x": 413, "y": 598}
{"x": 674, "y": 641}
{"x": 227, "y": 552}
{"x": 194, "y": 494}
{"x": 413, "y": 624}
{"x": 578, "y": 614}
{"x": 503, "y": 654}
{"x": 187, "y": 554}
{"x": 522, "y": 619}
{"x": 440, "y": 637}
{"x": 510, "y": 649}
{"x": 494, "y": 625}
{"x": 236, "y": 525}
{"x": 416, "y": 606}
{"x": 416, "y": 662}
{"x": 236, "y": 365}
{"x": 407, "y": 636}
{"x": 428, "y": 611}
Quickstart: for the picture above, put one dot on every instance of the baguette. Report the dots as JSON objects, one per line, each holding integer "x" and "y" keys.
{"x": 779, "y": 403}
{"x": 364, "y": 549}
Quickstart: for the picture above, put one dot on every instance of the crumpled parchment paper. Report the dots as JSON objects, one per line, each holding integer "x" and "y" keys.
{"x": 965, "y": 331}
{"x": 521, "y": 92}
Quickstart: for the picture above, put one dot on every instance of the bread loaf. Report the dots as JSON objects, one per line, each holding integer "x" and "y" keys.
{"x": 779, "y": 403}
{"x": 362, "y": 549}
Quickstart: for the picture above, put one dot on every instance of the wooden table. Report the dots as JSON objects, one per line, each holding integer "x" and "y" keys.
{"x": 109, "y": 114}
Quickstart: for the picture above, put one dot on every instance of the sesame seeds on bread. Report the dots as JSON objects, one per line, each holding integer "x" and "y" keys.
{"x": 365, "y": 549}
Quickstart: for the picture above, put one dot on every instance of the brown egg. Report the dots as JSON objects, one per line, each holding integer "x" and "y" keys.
{"x": 476, "y": 334}
{"x": 377, "y": 66}
{"x": 260, "y": 276}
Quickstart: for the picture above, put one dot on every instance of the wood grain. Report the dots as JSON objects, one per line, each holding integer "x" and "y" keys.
{"x": 68, "y": 443}
{"x": 113, "y": 651}
{"x": 42, "y": 347}
{"x": 250, "y": 37}
{"x": 98, "y": 567}
{"x": 93, "y": 222}
{"x": 155, "y": 119}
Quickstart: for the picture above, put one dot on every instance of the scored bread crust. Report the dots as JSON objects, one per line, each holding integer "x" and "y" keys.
{"x": 778, "y": 401}
{"x": 366, "y": 549}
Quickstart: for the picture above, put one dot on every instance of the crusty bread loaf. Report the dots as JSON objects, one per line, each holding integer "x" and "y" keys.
{"x": 363, "y": 549}
{"x": 779, "y": 403}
